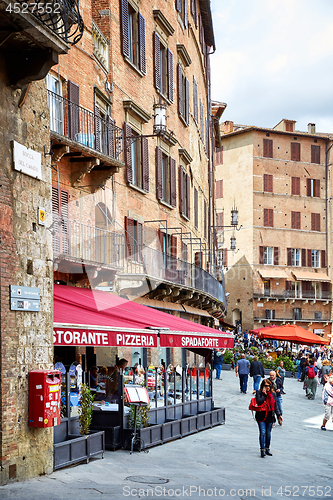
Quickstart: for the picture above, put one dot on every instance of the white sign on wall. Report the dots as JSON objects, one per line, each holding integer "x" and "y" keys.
{"x": 27, "y": 161}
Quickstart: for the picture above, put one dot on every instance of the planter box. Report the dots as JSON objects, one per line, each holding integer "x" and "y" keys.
{"x": 268, "y": 370}
{"x": 145, "y": 437}
{"x": 77, "y": 449}
{"x": 226, "y": 367}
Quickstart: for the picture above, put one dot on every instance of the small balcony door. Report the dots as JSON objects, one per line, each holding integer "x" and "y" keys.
{"x": 55, "y": 104}
{"x": 267, "y": 288}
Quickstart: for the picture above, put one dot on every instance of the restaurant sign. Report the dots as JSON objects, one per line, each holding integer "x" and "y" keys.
{"x": 102, "y": 338}
{"x": 189, "y": 341}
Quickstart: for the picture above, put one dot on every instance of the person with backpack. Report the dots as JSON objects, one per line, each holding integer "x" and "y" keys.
{"x": 311, "y": 379}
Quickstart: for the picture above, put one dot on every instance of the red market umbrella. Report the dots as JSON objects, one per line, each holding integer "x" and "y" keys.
{"x": 258, "y": 331}
{"x": 292, "y": 333}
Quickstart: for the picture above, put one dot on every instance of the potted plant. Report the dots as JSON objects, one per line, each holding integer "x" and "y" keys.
{"x": 86, "y": 409}
{"x": 227, "y": 359}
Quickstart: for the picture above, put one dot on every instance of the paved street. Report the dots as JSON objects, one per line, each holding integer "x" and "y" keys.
{"x": 217, "y": 463}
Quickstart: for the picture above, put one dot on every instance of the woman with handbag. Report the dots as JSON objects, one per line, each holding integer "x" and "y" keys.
{"x": 266, "y": 418}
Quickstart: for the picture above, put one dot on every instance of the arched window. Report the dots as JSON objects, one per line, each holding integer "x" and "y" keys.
{"x": 102, "y": 216}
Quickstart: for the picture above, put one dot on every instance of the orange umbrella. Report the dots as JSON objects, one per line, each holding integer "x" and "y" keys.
{"x": 258, "y": 331}
{"x": 292, "y": 333}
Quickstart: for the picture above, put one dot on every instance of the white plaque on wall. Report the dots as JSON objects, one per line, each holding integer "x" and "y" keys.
{"x": 27, "y": 160}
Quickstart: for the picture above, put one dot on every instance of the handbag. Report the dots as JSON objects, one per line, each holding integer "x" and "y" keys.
{"x": 253, "y": 406}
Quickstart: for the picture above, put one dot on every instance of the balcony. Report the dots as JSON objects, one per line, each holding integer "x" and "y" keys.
{"x": 288, "y": 317}
{"x": 32, "y": 35}
{"x": 135, "y": 264}
{"x": 93, "y": 144}
{"x": 293, "y": 295}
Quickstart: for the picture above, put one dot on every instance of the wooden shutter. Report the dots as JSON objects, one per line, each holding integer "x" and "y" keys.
{"x": 161, "y": 237}
{"x": 295, "y": 151}
{"x": 180, "y": 89}
{"x": 295, "y": 220}
{"x": 181, "y": 191}
{"x": 195, "y": 208}
{"x": 325, "y": 286}
{"x": 159, "y": 182}
{"x": 73, "y": 109}
{"x": 205, "y": 219}
{"x": 64, "y": 239}
{"x": 129, "y": 236}
{"x": 315, "y": 222}
{"x": 268, "y": 217}
{"x": 157, "y": 65}
{"x": 128, "y": 152}
{"x": 173, "y": 246}
{"x": 124, "y": 27}
{"x": 317, "y": 188}
{"x": 194, "y": 12}
{"x": 315, "y": 154}
{"x": 323, "y": 258}
{"x": 219, "y": 188}
{"x": 268, "y": 148}
{"x": 173, "y": 182}
{"x": 289, "y": 257}
{"x": 276, "y": 256}
{"x": 198, "y": 259}
{"x": 56, "y": 216}
{"x": 170, "y": 75}
{"x": 268, "y": 183}
{"x": 188, "y": 197}
{"x": 187, "y": 101}
{"x": 145, "y": 163}
{"x": 308, "y": 187}
{"x": 309, "y": 252}
{"x": 306, "y": 287}
{"x": 142, "y": 44}
{"x": 98, "y": 128}
{"x": 201, "y": 120}
{"x": 185, "y": 14}
{"x": 295, "y": 186}
{"x": 195, "y": 101}
{"x": 261, "y": 255}
{"x": 303, "y": 257}
{"x": 288, "y": 286}
{"x": 111, "y": 136}
{"x": 179, "y": 5}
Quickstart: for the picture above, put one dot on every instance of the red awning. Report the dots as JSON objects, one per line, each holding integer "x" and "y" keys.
{"x": 93, "y": 317}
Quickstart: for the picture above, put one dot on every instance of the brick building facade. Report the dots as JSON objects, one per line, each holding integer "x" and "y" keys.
{"x": 280, "y": 270}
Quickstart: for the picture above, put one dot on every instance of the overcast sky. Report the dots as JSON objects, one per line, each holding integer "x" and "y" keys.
{"x": 274, "y": 60}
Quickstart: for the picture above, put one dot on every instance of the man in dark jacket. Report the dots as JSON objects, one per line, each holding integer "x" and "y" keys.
{"x": 256, "y": 371}
{"x": 218, "y": 361}
{"x": 278, "y": 389}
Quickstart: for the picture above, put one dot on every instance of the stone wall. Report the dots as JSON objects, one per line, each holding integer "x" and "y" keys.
{"x": 26, "y": 260}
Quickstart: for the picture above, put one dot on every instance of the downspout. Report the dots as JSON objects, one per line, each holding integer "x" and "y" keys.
{"x": 328, "y": 215}
{"x": 211, "y": 201}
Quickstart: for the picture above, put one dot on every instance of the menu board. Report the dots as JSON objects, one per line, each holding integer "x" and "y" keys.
{"x": 136, "y": 394}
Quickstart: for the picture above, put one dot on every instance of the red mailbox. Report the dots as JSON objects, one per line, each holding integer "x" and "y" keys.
{"x": 44, "y": 398}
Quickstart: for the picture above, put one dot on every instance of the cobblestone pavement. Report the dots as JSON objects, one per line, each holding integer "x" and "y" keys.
{"x": 223, "y": 462}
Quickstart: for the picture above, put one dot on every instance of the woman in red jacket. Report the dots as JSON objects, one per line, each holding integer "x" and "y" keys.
{"x": 264, "y": 419}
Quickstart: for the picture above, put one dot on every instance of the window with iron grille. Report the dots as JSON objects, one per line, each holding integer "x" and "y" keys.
{"x": 133, "y": 36}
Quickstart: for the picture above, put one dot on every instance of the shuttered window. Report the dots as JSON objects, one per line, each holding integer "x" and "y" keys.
{"x": 205, "y": 219}
{"x": 276, "y": 256}
{"x": 60, "y": 213}
{"x": 309, "y": 257}
{"x": 166, "y": 187}
{"x": 202, "y": 125}
{"x": 163, "y": 68}
{"x": 323, "y": 258}
{"x": 295, "y": 220}
{"x": 268, "y": 217}
{"x": 134, "y": 239}
{"x": 268, "y": 183}
{"x": 196, "y": 221}
{"x": 181, "y": 7}
{"x": 296, "y": 186}
{"x": 313, "y": 188}
{"x": 73, "y": 110}
{"x": 219, "y": 189}
{"x": 183, "y": 95}
{"x": 184, "y": 251}
{"x": 219, "y": 156}
{"x": 184, "y": 193}
{"x": 136, "y": 159}
{"x": 295, "y": 151}
{"x": 194, "y": 12}
{"x": 261, "y": 255}
{"x": 219, "y": 221}
{"x": 268, "y": 148}
{"x": 315, "y": 222}
{"x": 303, "y": 257}
{"x": 315, "y": 154}
{"x": 195, "y": 102}
{"x": 133, "y": 30}
{"x": 289, "y": 256}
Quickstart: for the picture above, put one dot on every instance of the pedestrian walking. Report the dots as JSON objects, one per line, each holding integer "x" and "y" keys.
{"x": 328, "y": 402}
{"x": 264, "y": 419}
{"x": 242, "y": 370}
{"x": 325, "y": 370}
{"x": 281, "y": 372}
{"x": 257, "y": 372}
{"x": 311, "y": 380}
{"x": 278, "y": 389}
{"x": 218, "y": 361}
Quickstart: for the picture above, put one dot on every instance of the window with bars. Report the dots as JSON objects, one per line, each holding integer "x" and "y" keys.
{"x": 134, "y": 239}
{"x": 268, "y": 217}
{"x": 136, "y": 158}
{"x": 184, "y": 193}
{"x": 133, "y": 36}
{"x": 268, "y": 148}
{"x": 295, "y": 151}
{"x": 268, "y": 183}
{"x": 219, "y": 189}
{"x": 315, "y": 154}
{"x": 166, "y": 189}
{"x": 163, "y": 68}
{"x": 295, "y": 220}
{"x": 296, "y": 186}
{"x": 315, "y": 222}
{"x": 183, "y": 96}
{"x": 313, "y": 188}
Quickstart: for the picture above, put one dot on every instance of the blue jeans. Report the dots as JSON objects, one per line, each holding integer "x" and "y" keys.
{"x": 256, "y": 382}
{"x": 299, "y": 371}
{"x": 279, "y": 403}
{"x": 243, "y": 382}
{"x": 218, "y": 370}
{"x": 265, "y": 430}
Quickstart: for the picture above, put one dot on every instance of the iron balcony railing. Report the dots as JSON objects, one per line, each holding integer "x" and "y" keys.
{"x": 292, "y": 294}
{"x": 85, "y": 127}
{"x": 92, "y": 244}
{"x": 306, "y": 316}
{"x": 61, "y": 16}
